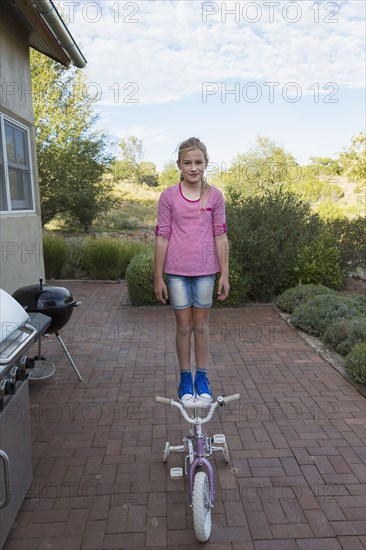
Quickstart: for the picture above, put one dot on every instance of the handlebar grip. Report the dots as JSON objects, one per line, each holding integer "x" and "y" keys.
{"x": 231, "y": 398}
{"x": 163, "y": 400}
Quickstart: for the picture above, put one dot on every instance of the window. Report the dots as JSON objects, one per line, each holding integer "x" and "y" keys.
{"x": 16, "y": 184}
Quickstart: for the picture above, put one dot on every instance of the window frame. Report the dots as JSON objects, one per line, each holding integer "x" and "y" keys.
{"x": 5, "y": 166}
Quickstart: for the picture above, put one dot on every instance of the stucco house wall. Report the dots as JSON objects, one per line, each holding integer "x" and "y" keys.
{"x": 24, "y": 24}
{"x": 21, "y": 261}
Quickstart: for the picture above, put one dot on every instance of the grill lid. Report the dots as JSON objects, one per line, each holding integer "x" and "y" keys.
{"x": 41, "y": 297}
{"x": 12, "y": 315}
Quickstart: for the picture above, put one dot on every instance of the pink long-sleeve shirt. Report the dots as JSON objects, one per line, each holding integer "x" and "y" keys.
{"x": 191, "y": 231}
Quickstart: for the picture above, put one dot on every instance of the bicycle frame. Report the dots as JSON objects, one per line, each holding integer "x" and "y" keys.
{"x": 196, "y": 442}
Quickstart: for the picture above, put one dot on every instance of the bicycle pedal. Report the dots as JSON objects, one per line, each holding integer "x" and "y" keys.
{"x": 219, "y": 439}
{"x": 176, "y": 473}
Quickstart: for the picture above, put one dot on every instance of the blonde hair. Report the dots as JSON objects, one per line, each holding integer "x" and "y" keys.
{"x": 188, "y": 145}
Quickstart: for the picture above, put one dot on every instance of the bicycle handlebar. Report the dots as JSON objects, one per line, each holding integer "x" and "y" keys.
{"x": 228, "y": 398}
{"x": 210, "y": 406}
{"x": 163, "y": 400}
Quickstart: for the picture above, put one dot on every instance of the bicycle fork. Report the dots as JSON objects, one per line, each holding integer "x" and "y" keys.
{"x": 199, "y": 462}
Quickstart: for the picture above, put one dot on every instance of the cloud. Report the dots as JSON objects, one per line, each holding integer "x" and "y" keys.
{"x": 160, "y": 52}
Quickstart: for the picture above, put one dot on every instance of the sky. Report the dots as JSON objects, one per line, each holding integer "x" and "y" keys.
{"x": 226, "y": 72}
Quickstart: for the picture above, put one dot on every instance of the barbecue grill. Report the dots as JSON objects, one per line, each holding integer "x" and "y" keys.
{"x": 54, "y": 301}
{"x": 18, "y": 332}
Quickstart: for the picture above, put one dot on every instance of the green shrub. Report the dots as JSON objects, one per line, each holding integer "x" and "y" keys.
{"x": 318, "y": 263}
{"x": 347, "y": 236}
{"x": 140, "y": 278}
{"x": 350, "y": 237}
{"x": 343, "y": 334}
{"x": 293, "y": 297}
{"x": 356, "y": 362}
{"x": 55, "y": 252}
{"x": 239, "y": 287}
{"x": 313, "y": 189}
{"x": 328, "y": 209}
{"x": 266, "y": 233}
{"x": 106, "y": 258}
{"x": 316, "y": 314}
{"x": 129, "y": 250}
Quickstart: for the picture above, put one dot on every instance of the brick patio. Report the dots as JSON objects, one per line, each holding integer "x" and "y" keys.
{"x": 297, "y": 476}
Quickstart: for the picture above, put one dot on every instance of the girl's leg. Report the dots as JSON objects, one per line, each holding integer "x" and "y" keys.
{"x": 184, "y": 322}
{"x": 183, "y": 341}
{"x": 201, "y": 336}
{"x": 201, "y": 344}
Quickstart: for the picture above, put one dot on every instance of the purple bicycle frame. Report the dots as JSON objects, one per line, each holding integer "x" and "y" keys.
{"x": 200, "y": 460}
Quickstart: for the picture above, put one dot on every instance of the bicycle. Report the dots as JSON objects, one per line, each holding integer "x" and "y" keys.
{"x": 199, "y": 447}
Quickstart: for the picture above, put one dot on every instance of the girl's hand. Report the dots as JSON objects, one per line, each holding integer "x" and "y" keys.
{"x": 161, "y": 291}
{"x": 223, "y": 288}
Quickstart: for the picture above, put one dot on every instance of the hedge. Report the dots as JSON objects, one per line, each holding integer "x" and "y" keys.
{"x": 356, "y": 363}
{"x": 294, "y": 297}
{"x": 106, "y": 258}
{"x": 343, "y": 334}
{"x": 55, "y": 253}
{"x": 239, "y": 287}
{"x": 140, "y": 278}
{"x": 316, "y": 314}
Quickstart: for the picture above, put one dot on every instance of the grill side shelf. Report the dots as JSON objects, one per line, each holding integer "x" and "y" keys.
{"x": 12, "y": 348}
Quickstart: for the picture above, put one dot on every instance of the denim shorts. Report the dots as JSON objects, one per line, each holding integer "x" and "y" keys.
{"x": 185, "y": 291}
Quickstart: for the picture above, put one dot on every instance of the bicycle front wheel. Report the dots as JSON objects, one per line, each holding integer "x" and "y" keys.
{"x": 201, "y": 507}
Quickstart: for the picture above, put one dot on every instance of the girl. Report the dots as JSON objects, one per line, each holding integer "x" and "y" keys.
{"x": 191, "y": 247}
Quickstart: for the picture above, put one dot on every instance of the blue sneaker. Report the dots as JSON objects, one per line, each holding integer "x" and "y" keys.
{"x": 202, "y": 385}
{"x": 185, "y": 390}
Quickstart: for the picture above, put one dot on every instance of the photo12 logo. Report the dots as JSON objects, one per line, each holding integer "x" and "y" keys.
{"x": 269, "y": 12}
{"x": 93, "y": 12}
{"x": 116, "y": 92}
{"x": 25, "y": 252}
{"x": 122, "y": 92}
{"x": 253, "y": 92}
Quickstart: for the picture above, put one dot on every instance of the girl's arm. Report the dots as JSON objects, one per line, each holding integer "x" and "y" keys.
{"x": 222, "y": 251}
{"x": 160, "y": 289}
{"x": 162, "y": 232}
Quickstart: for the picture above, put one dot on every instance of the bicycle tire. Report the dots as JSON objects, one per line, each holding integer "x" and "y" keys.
{"x": 226, "y": 453}
{"x": 201, "y": 507}
{"x": 166, "y": 452}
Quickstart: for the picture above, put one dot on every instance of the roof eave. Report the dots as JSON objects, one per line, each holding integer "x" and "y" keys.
{"x": 48, "y": 35}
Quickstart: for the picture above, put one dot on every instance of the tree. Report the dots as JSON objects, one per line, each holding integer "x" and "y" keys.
{"x": 131, "y": 149}
{"x": 131, "y": 167}
{"x": 72, "y": 156}
{"x": 327, "y": 166}
{"x": 169, "y": 175}
{"x": 354, "y": 160}
{"x": 128, "y": 168}
{"x": 123, "y": 170}
{"x": 265, "y": 166}
{"x": 148, "y": 174}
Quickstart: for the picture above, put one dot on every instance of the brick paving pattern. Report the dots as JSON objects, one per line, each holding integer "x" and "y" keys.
{"x": 297, "y": 475}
